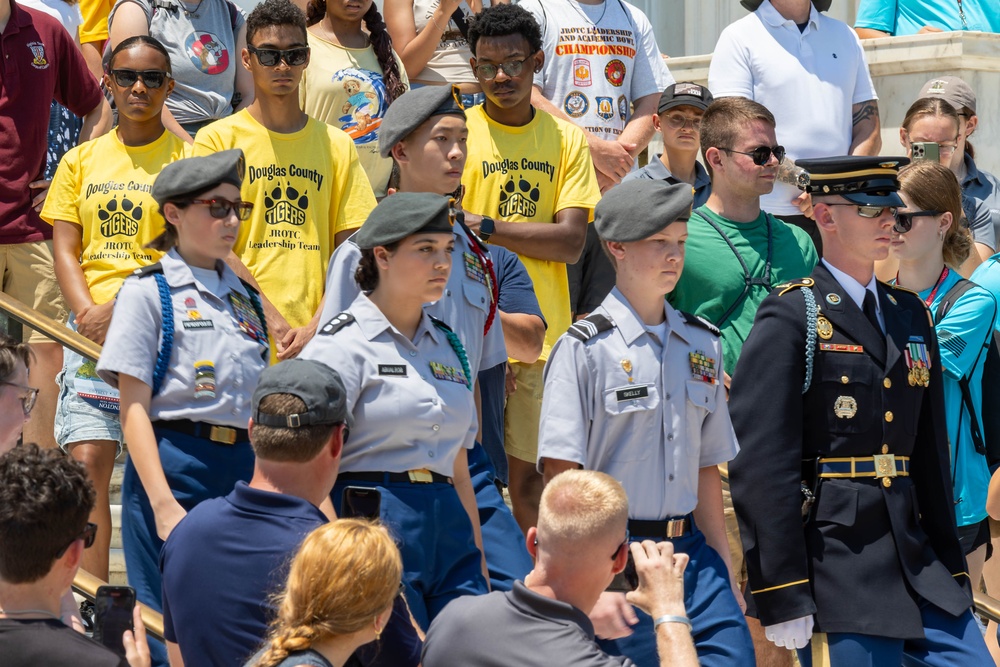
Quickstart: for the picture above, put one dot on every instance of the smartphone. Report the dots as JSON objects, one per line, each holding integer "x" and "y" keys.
{"x": 114, "y": 606}
{"x": 626, "y": 580}
{"x": 361, "y": 501}
{"x": 925, "y": 150}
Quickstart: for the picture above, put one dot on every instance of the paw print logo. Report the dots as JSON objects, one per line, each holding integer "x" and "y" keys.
{"x": 519, "y": 197}
{"x": 119, "y": 218}
{"x": 285, "y": 204}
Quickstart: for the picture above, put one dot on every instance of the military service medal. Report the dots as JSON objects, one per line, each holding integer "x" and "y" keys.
{"x": 474, "y": 268}
{"x": 823, "y": 328}
{"x": 918, "y": 362}
{"x": 448, "y": 373}
{"x": 204, "y": 379}
{"x": 845, "y": 407}
{"x": 703, "y": 367}
{"x": 246, "y": 315}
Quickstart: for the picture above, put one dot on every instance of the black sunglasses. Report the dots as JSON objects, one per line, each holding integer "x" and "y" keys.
{"x": 270, "y": 57}
{"x": 904, "y": 221}
{"x": 151, "y": 78}
{"x": 88, "y": 535}
{"x": 219, "y": 208}
{"x": 511, "y": 68}
{"x": 870, "y": 212}
{"x": 762, "y": 154}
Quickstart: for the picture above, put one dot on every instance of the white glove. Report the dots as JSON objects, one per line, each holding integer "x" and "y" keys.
{"x": 790, "y": 634}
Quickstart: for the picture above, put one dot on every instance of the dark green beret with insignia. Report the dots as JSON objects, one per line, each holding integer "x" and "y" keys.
{"x": 402, "y": 214}
{"x": 412, "y": 108}
{"x": 638, "y": 209}
{"x": 190, "y": 177}
{"x": 862, "y": 180}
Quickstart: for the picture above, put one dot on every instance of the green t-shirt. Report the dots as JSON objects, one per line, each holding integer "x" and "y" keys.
{"x": 713, "y": 279}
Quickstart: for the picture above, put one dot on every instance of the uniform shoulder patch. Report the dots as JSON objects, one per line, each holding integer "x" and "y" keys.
{"x": 148, "y": 270}
{"x": 787, "y": 287}
{"x": 699, "y": 321}
{"x": 440, "y": 324}
{"x": 590, "y": 326}
{"x": 336, "y": 324}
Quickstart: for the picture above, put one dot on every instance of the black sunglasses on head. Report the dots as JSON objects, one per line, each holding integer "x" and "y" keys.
{"x": 151, "y": 78}
{"x": 271, "y": 57}
{"x": 762, "y": 154}
{"x": 904, "y": 221}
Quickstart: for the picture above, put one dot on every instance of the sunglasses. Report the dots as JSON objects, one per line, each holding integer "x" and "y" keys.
{"x": 271, "y": 57}
{"x": 511, "y": 68}
{"x": 904, "y": 221}
{"x": 869, "y": 211}
{"x": 623, "y": 544}
{"x": 151, "y": 78}
{"x": 762, "y": 154}
{"x": 220, "y": 208}
{"x": 678, "y": 122}
{"x": 88, "y": 535}
{"x": 28, "y": 398}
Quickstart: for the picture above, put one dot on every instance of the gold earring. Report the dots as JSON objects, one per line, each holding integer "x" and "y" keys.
{"x": 378, "y": 630}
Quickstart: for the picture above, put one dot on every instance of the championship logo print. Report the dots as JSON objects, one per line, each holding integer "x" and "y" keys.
{"x": 622, "y": 108}
{"x": 365, "y": 105}
{"x": 119, "y": 218}
{"x": 207, "y": 52}
{"x": 284, "y": 204}
{"x": 576, "y": 104}
{"x": 605, "y": 108}
{"x": 615, "y": 73}
{"x": 518, "y": 197}
{"x": 38, "y": 59}
{"x": 581, "y": 73}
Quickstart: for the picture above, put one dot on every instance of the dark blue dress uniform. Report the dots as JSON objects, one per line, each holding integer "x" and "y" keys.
{"x": 876, "y": 554}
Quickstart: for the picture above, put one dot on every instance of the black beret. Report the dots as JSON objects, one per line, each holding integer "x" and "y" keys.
{"x": 402, "y": 214}
{"x": 862, "y": 180}
{"x": 412, "y": 108}
{"x": 637, "y": 209}
{"x": 194, "y": 175}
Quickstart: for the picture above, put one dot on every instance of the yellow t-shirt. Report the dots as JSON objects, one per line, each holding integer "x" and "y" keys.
{"x": 344, "y": 87}
{"x": 528, "y": 174}
{"x": 103, "y": 186}
{"x": 305, "y": 187}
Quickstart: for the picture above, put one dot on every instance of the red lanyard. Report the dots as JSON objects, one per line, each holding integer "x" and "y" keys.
{"x": 941, "y": 278}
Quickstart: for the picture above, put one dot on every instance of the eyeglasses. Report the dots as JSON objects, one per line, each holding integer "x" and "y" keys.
{"x": 904, "y": 221}
{"x": 151, "y": 78}
{"x": 762, "y": 154}
{"x": 623, "y": 544}
{"x": 868, "y": 211}
{"x": 220, "y": 208}
{"x": 28, "y": 398}
{"x": 88, "y": 535}
{"x": 677, "y": 122}
{"x": 511, "y": 68}
{"x": 270, "y": 57}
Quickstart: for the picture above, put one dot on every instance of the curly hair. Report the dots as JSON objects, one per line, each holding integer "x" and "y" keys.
{"x": 366, "y": 274}
{"x": 274, "y": 13}
{"x": 45, "y": 500}
{"x": 933, "y": 187}
{"x": 503, "y": 20}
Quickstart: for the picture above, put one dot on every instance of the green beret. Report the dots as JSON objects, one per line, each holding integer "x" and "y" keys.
{"x": 637, "y": 209}
{"x": 862, "y": 180}
{"x": 402, "y": 214}
{"x": 192, "y": 176}
{"x": 412, "y": 108}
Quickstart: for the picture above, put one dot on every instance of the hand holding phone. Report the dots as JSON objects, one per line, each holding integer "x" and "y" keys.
{"x": 363, "y": 502}
{"x": 925, "y": 150}
{"x": 114, "y": 609}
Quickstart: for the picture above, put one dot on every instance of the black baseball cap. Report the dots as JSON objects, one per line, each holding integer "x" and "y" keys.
{"x": 686, "y": 94}
{"x": 315, "y": 383}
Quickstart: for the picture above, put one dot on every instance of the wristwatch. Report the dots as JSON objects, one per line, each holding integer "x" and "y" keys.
{"x": 486, "y": 228}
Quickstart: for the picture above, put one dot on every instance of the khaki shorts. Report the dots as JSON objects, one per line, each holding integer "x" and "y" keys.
{"x": 732, "y": 530}
{"x": 29, "y": 276}
{"x": 524, "y": 412}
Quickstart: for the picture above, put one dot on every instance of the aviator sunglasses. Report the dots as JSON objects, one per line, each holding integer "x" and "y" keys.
{"x": 870, "y": 212}
{"x": 151, "y": 78}
{"x": 270, "y": 57}
{"x": 219, "y": 208}
{"x": 904, "y": 221}
{"x": 762, "y": 154}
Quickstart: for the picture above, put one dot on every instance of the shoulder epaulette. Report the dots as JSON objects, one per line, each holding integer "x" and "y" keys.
{"x": 802, "y": 282}
{"x": 901, "y": 289}
{"x": 336, "y": 324}
{"x": 148, "y": 270}
{"x": 590, "y": 326}
{"x": 699, "y": 321}
{"x": 440, "y": 324}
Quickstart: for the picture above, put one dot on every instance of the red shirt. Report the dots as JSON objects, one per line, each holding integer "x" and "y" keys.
{"x": 39, "y": 63}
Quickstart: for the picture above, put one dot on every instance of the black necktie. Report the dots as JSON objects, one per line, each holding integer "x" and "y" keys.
{"x": 871, "y": 311}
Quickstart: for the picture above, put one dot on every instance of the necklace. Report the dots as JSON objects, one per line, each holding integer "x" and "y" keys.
{"x": 20, "y": 612}
{"x": 191, "y": 12}
{"x": 600, "y": 18}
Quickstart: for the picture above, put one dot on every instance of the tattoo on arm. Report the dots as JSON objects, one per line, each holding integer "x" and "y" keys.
{"x": 866, "y": 111}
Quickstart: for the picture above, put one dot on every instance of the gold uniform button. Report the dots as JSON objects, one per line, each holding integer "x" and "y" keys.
{"x": 844, "y": 379}
{"x": 887, "y": 383}
{"x": 888, "y": 416}
{"x": 886, "y": 482}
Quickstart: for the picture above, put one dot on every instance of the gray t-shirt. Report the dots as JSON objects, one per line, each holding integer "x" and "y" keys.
{"x": 203, "y": 55}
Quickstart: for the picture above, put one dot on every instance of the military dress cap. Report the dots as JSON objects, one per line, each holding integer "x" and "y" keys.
{"x": 412, "y": 108}
{"x": 402, "y": 214}
{"x": 862, "y": 180}
{"x": 684, "y": 94}
{"x": 752, "y": 5}
{"x": 952, "y": 90}
{"x": 194, "y": 175}
{"x": 315, "y": 383}
{"x": 637, "y": 209}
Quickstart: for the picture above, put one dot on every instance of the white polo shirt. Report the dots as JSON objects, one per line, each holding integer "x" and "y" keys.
{"x": 809, "y": 80}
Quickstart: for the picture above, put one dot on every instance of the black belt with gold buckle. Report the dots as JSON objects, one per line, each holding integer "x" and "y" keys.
{"x": 419, "y": 476}
{"x": 667, "y": 528}
{"x": 223, "y": 435}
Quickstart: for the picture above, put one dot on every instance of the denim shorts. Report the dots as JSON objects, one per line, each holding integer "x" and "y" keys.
{"x": 87, "y": 410}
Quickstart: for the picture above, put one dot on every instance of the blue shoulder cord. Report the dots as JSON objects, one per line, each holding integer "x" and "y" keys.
{"x": 456, "y": 345}
{"x": 811, "y": 314}
{"x": 166, "y": 349}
